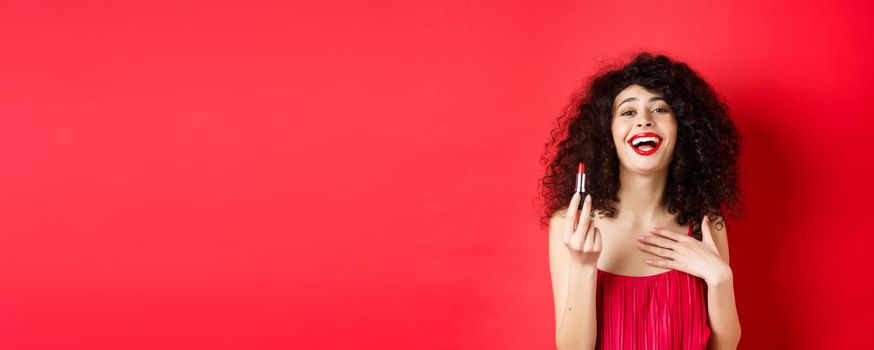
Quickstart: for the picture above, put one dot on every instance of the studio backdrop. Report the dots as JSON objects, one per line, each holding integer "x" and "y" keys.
{"x": 363, "y": 174}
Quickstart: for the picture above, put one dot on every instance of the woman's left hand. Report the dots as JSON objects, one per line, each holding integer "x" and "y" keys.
{"x": 687, "y": 254}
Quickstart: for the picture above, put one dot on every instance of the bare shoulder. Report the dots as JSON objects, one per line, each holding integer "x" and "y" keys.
{"x": 556, "y": 228}
{"x": 558, "y": 217}
{"x": 718, "y": 225}
{"x": 719, "y": 231}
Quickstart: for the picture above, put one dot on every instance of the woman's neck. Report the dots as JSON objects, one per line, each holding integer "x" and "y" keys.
{"x": 640, "y": 196}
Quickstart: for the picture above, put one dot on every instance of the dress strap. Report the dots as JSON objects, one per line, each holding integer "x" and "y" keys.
{"x": 690, "y": 229}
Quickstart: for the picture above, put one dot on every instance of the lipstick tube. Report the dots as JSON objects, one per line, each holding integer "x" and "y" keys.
{"x": 581, "y": 182}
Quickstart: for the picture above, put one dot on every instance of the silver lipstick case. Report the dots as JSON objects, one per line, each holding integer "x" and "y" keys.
{"x": 581, "y": 188}
{"x": 581, "y": 182}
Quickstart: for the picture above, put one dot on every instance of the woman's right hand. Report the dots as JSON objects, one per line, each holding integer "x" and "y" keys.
{"x": 580, "y": 236}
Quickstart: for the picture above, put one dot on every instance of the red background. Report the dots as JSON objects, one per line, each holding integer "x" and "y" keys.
{"x": 260, "y": 174}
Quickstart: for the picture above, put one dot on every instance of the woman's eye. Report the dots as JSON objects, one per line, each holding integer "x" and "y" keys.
{"x": 625, "y": 113}
{"x": 661, "y": 109}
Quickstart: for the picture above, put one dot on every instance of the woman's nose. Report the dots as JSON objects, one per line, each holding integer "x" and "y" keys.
{"x": 647, "y": 123}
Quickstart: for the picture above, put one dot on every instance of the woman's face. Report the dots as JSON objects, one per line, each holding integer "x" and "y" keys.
{"x": 638, "y": 112}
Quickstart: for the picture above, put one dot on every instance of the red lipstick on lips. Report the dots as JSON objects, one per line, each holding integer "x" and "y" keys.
{"x": 645, "y": 134}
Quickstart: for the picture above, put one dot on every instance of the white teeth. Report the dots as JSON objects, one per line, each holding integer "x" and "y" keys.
{"x": 638, "y": 140}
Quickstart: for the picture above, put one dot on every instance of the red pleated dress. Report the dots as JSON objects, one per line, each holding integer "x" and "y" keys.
{"x": 662, "y": 311}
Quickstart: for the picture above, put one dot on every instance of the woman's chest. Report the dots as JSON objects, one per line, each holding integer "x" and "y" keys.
{"x": 619, "y": 251}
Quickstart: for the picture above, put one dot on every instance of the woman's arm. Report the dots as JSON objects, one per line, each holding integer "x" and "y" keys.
{"x": 724, "y": 324}
{"x": 578, "y": 328}
{"x": 721, "y": 307}
{"x": 573, "y": 287}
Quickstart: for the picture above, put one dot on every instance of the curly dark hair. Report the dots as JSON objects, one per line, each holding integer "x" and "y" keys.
{"x": 703, "y": 173}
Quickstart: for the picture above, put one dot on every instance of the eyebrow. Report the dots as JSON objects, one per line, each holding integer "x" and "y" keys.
{"x": 630, "y": 99}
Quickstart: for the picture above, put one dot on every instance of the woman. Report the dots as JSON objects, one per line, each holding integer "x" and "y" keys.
{"x": 650, "y": 270}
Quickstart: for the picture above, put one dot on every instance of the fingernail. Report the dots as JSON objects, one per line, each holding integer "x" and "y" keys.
{"x": 639, "y": 238}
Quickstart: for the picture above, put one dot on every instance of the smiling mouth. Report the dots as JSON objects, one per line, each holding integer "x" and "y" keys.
{"x": 645, "y": 144}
